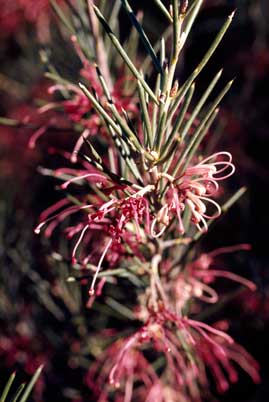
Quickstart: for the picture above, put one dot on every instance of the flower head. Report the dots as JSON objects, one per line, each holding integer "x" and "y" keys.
{"x": 194, "y": 189}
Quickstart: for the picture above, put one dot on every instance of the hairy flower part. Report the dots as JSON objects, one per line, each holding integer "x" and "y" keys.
{"x": 28, "y": 122}
{"x": 14, "y": 138}
{"x": 136, "y": 376}
{"x": 119, "y": 219}
{"x": 79, "y": 110}
{"x": 127, "y": 209}
{"x": 115, "y": 214}
{"x": 134, "y": 367}
{"x": 194, "y": 189}
{"x": 169, "y": 391}
{"x": 223, "y": 362}
{"x": 223, "y": 368}
{"x": 205, "y": 267}
{"x": 189, "y": 346}
{"x": 195, "y": 279}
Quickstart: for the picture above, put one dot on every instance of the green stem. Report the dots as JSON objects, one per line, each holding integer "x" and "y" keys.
{"x": 123, "y": 54}
{"x": 201, "y": 65}
{"x": 145, "y": 116}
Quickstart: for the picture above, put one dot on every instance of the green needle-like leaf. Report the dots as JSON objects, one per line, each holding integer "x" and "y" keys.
{"x": 190, "y": 18}
{"x": 155, "y": 107}
{"x": 201, "y": 65}
{"x": 126, "y": 129}
{"x": 99, "y": 108}
{"x": 199, "y": 105}
{"x": 62, "y": 16}
{"x": 176, "y": 29}
{"x": 120, "y": 308}
{"x": 142, "y": 35}
{"x": 197, "y": 138}
{"x": 31, "y": 384}
{"x": 145, "y": 116}
{"x": 164, "y": 10}
{"x": 103, "y": 84}
{"x": 228, "y": 204}
{"x": 8, "y": 122}
{"x": 123, "y": 54}
{"x": 18, "y": 393}
{"x": 120, "y": 141}
{"x": 7, "y": 387}
{"x": 92, "y": 151}
{"x": 182, "y": 159}
{"x": 166, "y": 149}
{"x": 195, "y": 112}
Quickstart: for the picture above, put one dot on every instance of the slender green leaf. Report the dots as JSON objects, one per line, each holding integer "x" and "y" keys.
{"x": 201, "y": 65}
{"x": 62, "y": 16}
{"x": 93, "y": 153}
{"x": 228, "y": 204}
{"x": 119, "y": 141}
{"x": 198, "y": 137}
{"x": 176, "y": 30}
{"x": 190, "y": 18}
{"x": 163, "y": 10}
{"x": 98, "y": 107}
{"x": 18, "y": 393}
{"x": 155, "y": 107}
{"x": 145, "y": 116}
{"x": 142, "y": 35}
{"x": 157, "y": 47}
{"x": 123, "y": 54}
{"x": 8, "y": 122}
{"x": 103, "y": 84}
{"x": 166, "y": 150}
{"x": 31, "y": 384}
{"x": 7, "y": 387}
{"x": 183, "y": 157}
{"x": 120, "y": 308}
{"x": 199, "y": 105}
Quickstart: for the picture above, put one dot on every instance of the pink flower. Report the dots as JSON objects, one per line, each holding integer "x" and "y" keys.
{"x": 78, "y": 108}
{"x": 189, "y": 346}
{"x": 194, "y": 189}
{"x": 220, "y": 361}
{"x": 195, "y": 279}
{"x": 16, "y": 13}
{"x": 117, "y": 218}
{"x": 103, "y": 377}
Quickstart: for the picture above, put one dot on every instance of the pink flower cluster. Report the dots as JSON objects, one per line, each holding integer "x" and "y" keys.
{"x": 77, "y": 107}
{"x": 194, "y": 189}
{"x": 16, "y": 13}
{"x": 189, "y": 346}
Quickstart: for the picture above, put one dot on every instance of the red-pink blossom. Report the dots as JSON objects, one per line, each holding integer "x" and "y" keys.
{"x": 189, "y": 346}
{"x": 194, "y": 189}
